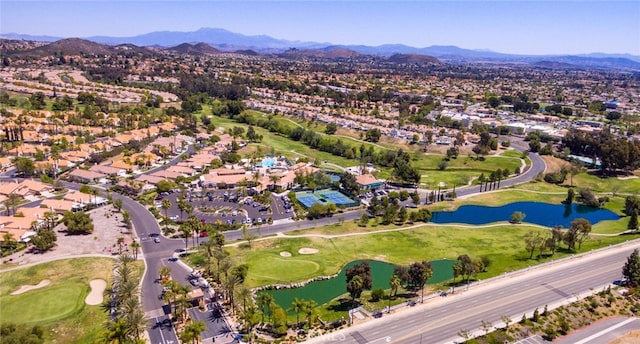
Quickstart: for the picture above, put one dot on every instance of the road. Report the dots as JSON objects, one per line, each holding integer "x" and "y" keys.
{"x": 440, "y": 320}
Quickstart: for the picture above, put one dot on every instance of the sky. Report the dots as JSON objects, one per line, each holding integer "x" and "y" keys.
{"x": 513, "y": 26}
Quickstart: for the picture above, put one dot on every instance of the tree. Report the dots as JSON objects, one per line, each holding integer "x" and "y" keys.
{"x": 166, "y": 205}
{"x": 279, "y": 320}
{"x": 633, "y": 221}
{"x": 517, "y": 217}
{"x": 330, "y": 129}
{"x": 402, "y": 215}
{"x": 37, "y": 101}
{"x": 394, "y": 284}
{"x": 533, "y": 241}
{"x": 419, "y": 274}
{"x": 355, "y": 287}
{"x": 192, "y": 332}
{"x": 297, "y": 306}
{"x": 362, "y": 274}
{"x": 551, "y": 243}
{"x": 78, "y": 222}
{"x": 44, "y": 240}
{"x": 12, "y": 201}
{"x": 631, "y": 269}
{"x": 373, "y": 135}
{"x": 582, "y": 227}
{"x": 187, "y": 231}
{"x": 165, "y": 274}
{"x": 309, "y": 311}
{"x": 24, "y": 165}
{"x": 467, "y": 267}
{"x": 135, "y": 246}
{"x": 570, "y": 196}
{"x": 265, "y": 302}
{"x": 118, "y": 204}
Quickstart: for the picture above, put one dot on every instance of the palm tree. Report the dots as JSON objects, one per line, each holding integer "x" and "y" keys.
{"x": 120, "y": 242}
{"x": 221, "y": 256}
{"x": 229, "y": 285}
{"x": 209, "y": 247}
{"x": 116, "y": 331}
{"x": 195, "y": 329}
{"x": 244, "y": 294}
{"x": 166, "y": 205}
{"x": 395, "y": 284}
{"x": 308, "y": 310}
{"x": 298, "y": 306}
{"x": 50, "y": 218}
{"x": 135, "y": 246}
{"x": 427, "y": 273}
{"x": 11, "y": 202}
{"x": 250, "y": 318}
{"x": 165, "y": 273}
{"x": 265, "y": 300}
{"x": 186, "y": 230}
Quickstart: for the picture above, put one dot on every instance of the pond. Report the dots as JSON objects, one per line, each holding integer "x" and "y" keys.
{"x": 326, "y": 290}
{"x": 544, "y": 214}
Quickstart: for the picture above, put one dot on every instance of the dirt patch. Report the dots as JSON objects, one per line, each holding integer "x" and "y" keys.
{"x": 26, "y": 288}
{"x": 554, "y": 164}
{"x": 108, "y": 227}
{"x": 285, "y": 254}
{"x": 307, "y": 250}
{"x": 629, "y": 338}
{"x": 97, "y": 290}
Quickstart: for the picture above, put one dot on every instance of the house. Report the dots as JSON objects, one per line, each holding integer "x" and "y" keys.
{"x": 8, "y": 188}
{"x": 122, "y": 165}
{"x": 368, "y": 182}
{"x": 212, "y": 180}
{"x": 149, "y": 179}
{"x": 84, "y": 176}
{"x": 58, "y": 205}
{"x": 36, "y": 187}
{"x": 108, "y": 170}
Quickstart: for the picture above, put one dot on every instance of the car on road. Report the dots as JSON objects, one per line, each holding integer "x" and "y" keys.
{"x": 156, "y": 240}
{"x": 377, "y": 315}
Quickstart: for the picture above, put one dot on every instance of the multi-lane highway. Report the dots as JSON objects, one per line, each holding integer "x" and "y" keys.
{"x": 441, "y": 320}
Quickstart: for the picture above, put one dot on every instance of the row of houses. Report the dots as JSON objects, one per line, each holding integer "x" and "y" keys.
{"x": 26, "y": 220}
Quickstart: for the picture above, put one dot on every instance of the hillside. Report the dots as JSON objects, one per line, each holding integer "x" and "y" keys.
{"x": 413, "y": 59}
{"x": 195, "y": 49}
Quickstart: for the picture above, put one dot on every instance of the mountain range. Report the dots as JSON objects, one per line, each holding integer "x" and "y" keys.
{"x": 226, "y": 41}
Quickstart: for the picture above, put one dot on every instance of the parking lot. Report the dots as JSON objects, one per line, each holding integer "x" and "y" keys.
{"x": 228, "y": 207}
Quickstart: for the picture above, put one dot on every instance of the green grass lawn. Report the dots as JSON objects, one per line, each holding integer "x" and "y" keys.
{"x": 59, "y": 307}
{"x": 502, "y": 243}
{"x": 459, "y": 171}
{"x": 47, "y": 304}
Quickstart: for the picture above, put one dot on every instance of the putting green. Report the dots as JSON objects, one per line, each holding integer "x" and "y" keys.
{"x": 285, "y": 268}
{"x": 50, "y": 303}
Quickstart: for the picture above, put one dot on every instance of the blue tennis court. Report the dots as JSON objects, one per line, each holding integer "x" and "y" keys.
{"x": 307, "y": 199}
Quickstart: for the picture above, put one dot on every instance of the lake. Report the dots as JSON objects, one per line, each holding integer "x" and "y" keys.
{"x": 544, "y": 214}
{"x": 326, "y": 290}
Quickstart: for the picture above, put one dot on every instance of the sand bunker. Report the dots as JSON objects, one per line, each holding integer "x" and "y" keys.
{"x": 307, "y": 250}
{"x": 26, "y": 288}
{"x": 285, "y": 254}
{"x": 97, "y": 290}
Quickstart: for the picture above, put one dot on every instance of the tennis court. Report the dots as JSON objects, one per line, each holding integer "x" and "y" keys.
{"x": 307, "y": 199}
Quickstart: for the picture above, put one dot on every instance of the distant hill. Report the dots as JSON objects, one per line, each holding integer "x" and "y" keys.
{"x": 332, "y": 52}
{"x": 227, "y": 41}
{"x": 197, "y": 49}
{"x": 214, "y": 37}
{"x": 247, "y": 52}
{"x": 413, "y": 59}
{"x": 77, "y": 46}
